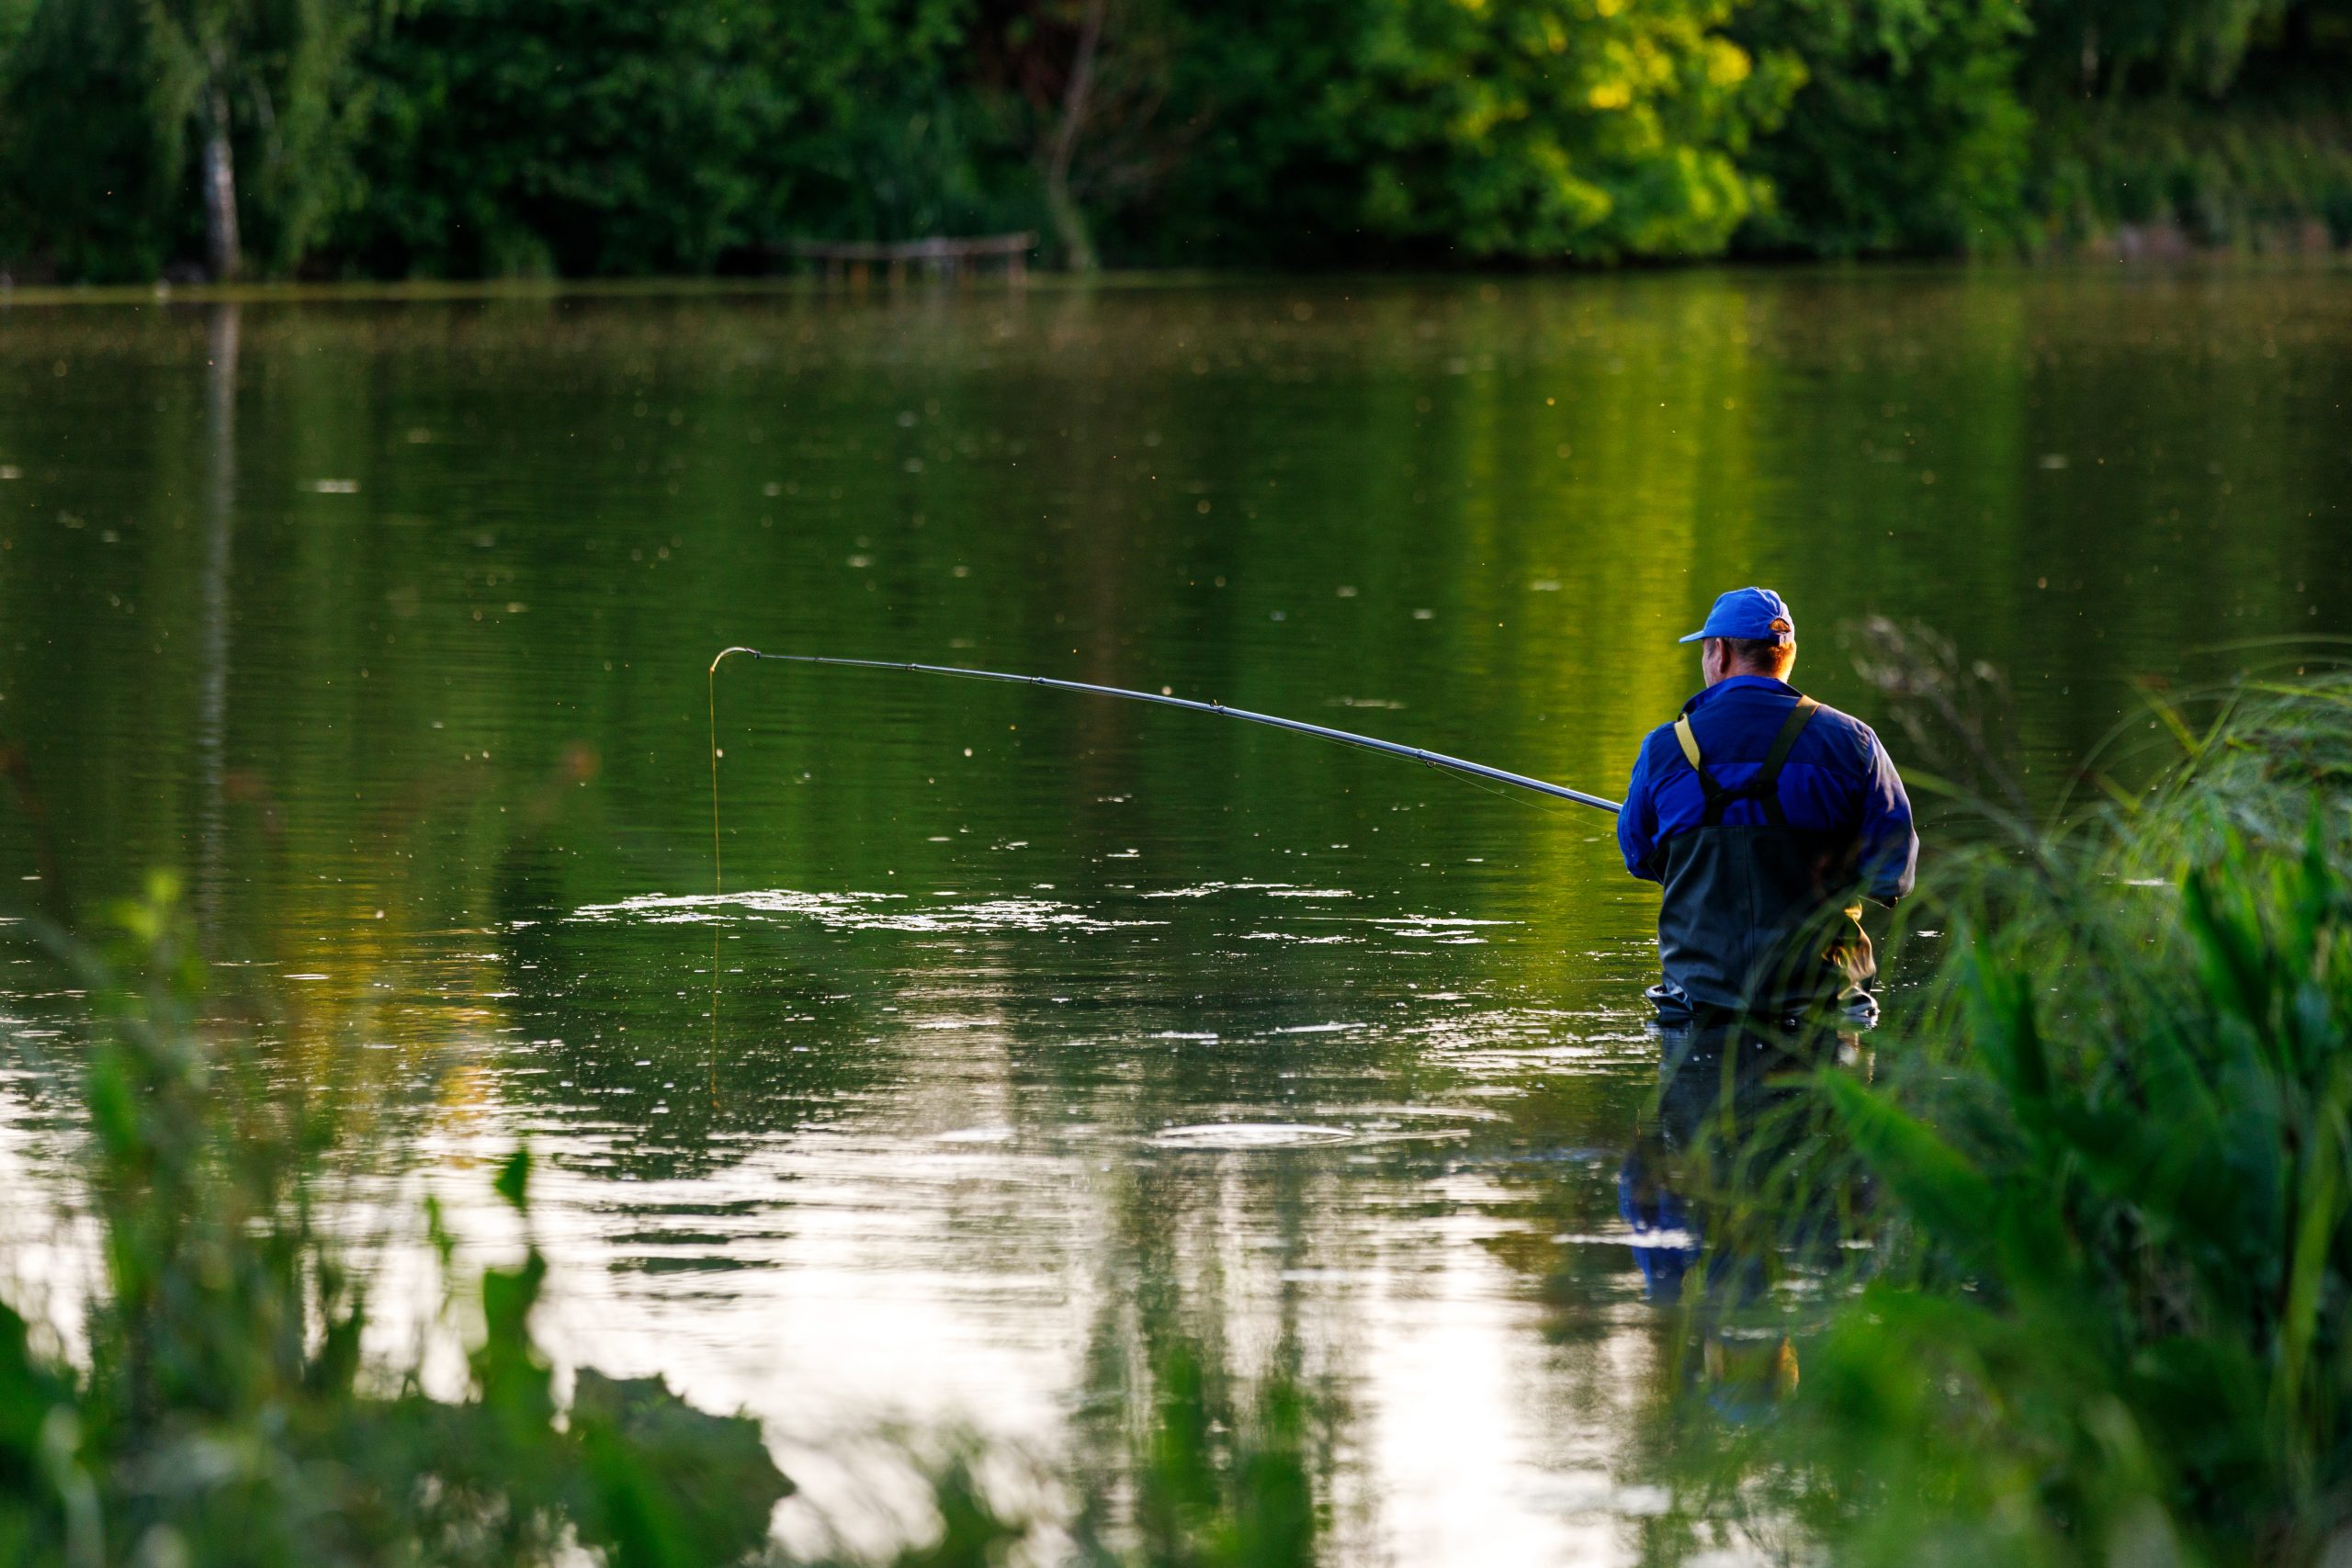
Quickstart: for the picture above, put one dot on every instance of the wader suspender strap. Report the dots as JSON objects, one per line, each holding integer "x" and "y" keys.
{"x": 1765, "y": 787}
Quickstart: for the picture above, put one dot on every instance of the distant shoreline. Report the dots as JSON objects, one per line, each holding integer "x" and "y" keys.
{"x": 2139, "y": 247}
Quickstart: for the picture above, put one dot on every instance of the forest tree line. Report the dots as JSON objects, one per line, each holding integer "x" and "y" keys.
{"x": 468, "y": 138}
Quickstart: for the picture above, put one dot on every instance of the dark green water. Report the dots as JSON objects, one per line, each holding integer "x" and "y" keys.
{"x": 386, "y": 623}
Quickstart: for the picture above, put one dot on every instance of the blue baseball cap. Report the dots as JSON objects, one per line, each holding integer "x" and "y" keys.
{"x": 1756, "y": 615}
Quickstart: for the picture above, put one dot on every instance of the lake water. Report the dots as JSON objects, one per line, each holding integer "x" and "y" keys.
{"x": 1049, "y": 1028}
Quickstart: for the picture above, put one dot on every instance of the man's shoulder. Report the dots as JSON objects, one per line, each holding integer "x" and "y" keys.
{"x": 1842, "y": 735}
{"x": 1660, "y": 744}
{"x": 1840, "y": 720}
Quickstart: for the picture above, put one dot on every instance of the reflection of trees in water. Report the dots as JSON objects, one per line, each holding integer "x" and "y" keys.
{"x": 1183, "y": 1454}
{"x": 221, "y": 323}
{"x": 631, "y": 536}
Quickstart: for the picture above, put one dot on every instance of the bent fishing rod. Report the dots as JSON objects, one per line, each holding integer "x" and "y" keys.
{"x": 1321, "y": 731}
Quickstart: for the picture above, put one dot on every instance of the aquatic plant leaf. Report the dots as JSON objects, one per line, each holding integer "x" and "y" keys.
{"x": 972, "y": 1534}
{"x": 2000, "y": 1013}
{"x": 1939, "y": 1184}
{"x": 514, "y": 1377}
{"x": 2320, "y": 1202}
{"x": 2206, "y": 1394}
{"x": 514, "y": 1178}
{"x": 36, "y": 1406}
{"x": 669, "y": 1486}
{"x": 2229, "y": 948}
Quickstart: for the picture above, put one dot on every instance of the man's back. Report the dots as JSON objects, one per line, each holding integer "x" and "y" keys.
{"x": 1763, "y": 815}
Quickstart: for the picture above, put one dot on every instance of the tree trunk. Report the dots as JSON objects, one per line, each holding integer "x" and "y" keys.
{"x": 1070, "y": 223}
{"x": 1069, "y": 227}
{"x": 224, "y": 253}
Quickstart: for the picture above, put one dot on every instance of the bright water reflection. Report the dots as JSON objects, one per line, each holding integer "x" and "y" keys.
{"x": 1043, "y": 1021}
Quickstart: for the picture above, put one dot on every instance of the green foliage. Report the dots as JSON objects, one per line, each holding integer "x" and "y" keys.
{"x": 567, "y": 136}
{"x": 2095, "y": 46}
{"x": 2241, "y": 178}
{"x": 101, "y": 105}
{"x": 72, "y": 60}
{"x": 1908, "y": 134}
{"x": 521, "y": 137}
{"x": 1550, "y": 128}
{"x": 2112, "y": 1304}
{"x": 280, "y": 69}
{"x": 1523, "y": 129}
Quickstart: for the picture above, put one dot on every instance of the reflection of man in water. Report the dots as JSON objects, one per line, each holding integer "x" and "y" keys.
{"x": 1732, "y": 1123}
{"x": 1765, "y": 818}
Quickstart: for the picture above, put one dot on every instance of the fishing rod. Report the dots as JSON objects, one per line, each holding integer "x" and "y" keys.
{"x": 1321, "y": 731}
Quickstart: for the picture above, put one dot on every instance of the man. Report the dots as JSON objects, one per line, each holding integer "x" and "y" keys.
{"x": 1765, "y": 818}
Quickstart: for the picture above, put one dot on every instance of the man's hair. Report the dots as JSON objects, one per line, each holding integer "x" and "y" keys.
{"x": 1761, "y": 654}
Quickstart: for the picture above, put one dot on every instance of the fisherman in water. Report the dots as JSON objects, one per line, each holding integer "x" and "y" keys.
{"x": 1767, "y": 818}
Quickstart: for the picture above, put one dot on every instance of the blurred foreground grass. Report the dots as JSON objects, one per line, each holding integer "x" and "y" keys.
{"x": 224, "y": 1411}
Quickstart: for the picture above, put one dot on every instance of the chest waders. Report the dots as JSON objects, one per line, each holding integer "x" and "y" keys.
{"x": 1761, "y": 918}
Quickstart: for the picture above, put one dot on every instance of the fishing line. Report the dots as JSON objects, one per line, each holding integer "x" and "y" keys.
{"x": 1518, "y": 798}
{"x": 1477, "y": 773}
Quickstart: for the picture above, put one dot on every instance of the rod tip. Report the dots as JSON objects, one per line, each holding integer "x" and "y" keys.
{"x": 725, "y": 651}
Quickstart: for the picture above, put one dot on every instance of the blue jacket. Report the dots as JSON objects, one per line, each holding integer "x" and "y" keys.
{"x": 1838, "y": 780}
